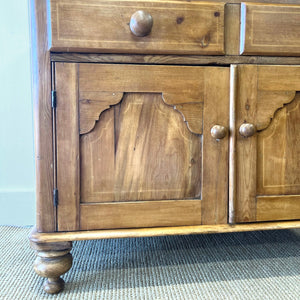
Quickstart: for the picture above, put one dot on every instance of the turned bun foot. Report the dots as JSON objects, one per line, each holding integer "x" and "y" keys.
{"x": 53, "y": 285}
{"x": 53, "y": 260}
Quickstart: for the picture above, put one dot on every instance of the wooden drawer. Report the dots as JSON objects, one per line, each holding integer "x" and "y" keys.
{"x": 103, "y": 26}
{"x": 270, "y": 29}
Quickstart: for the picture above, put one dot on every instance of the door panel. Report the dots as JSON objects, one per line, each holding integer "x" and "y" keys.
{"x": 147, "y": 162}
{"x": 140, "y": 214}
{"x": 268, "y": 163}
{"x": 138, "y": 138}
{"x": 282, "y": 207}
{"x": 278, "y": 158}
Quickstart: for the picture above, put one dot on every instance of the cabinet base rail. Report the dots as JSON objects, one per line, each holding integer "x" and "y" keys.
{"x": 55, "y": 237}
{"x": 53, "y": 249}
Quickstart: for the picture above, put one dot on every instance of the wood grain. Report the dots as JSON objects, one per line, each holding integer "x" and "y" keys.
{"x": 140, "y": 214}
{"x": 41, "y": 94}
{"x": 278, "y": 156}
{"x": 268, "y": 162}
{"x": 268, "y": 29}
{"x": 215, "y": 152}
{"x": 134, "y": 144}
{"x": 191, "y": 109}
{"x": 259, "y": 1}
{"x": 246, "y": 147}
{"x": 232, "y": 180}
{"x": 158, "y": 158}
{"x": 182, "y": 87}
{"x": 142, "y": 78}
{"x": 103, "y": 26}
{"x": 158, "y": 231}
{"x": 268, "y": 102}
{"x": 274, "y": 78}
{"x": 232, "y": 28}
{"x": 123, "y": 174}
{"x": 173, "y": 59}
{"x": 52, "y": 261}
{"x": 91, "y": 105}
{"x": 271, "y": 208}
{"x": 68, "y": 181}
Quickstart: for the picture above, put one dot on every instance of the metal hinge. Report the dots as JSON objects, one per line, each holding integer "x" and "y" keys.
{"x": 55, "y": 197}
{"x": 53, "y": 98}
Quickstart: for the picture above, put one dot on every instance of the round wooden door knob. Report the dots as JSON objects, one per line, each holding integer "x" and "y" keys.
{"x": 218, "y": 132}
{"x": 247, "y": 130}
{"x": 141, "y": 23}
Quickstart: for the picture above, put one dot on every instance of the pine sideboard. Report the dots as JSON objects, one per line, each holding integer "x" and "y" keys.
{"x": 162, "y": 118}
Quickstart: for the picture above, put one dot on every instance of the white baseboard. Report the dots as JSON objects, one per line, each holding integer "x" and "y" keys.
{"x": 17, "y": 207}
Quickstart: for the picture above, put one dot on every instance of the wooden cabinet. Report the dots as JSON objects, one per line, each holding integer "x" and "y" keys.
{"x": 137, "y": 137}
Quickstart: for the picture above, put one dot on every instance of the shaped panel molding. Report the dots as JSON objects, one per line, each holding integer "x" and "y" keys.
{"x": 92, "y": 104}
{"x": 268, "y": 103}
{"x": 278, "y": 152}
{"x": 190, "y": 108}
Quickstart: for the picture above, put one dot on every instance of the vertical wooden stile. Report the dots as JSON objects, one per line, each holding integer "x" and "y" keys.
{"x": 41, "y": 89}
{"x": 54, "y": 140}
{"x": 67, "y": 146}
{"x": 232, "y": 28}
{"x": 232, "y": 143}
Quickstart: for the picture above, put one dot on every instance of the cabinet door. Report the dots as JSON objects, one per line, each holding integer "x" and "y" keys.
{"x": 268, "y": 155}
{"x": 134, "y": 145}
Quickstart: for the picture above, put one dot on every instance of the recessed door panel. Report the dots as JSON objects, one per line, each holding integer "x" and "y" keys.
{"x": 140, "y": 149}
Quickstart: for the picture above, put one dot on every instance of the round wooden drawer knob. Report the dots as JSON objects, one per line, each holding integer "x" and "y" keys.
{"x": 141, "y": 23}
{"x": 218, "y": 132}
{"x": 247, "y": 130}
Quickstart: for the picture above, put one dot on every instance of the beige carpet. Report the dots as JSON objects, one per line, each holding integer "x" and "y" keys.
{"x": 252, "y": 265}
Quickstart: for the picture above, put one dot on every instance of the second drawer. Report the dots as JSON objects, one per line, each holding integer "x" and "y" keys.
{"x": 270, "y": 29}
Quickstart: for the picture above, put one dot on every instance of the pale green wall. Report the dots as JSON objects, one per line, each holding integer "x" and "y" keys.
{"x": 17, "y": 198}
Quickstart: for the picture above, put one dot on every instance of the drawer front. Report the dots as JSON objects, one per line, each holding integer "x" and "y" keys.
{"x": 103, "y": 26}
{"x": 268, "y": 29}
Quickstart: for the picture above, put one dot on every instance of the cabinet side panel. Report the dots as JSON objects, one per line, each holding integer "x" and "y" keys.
{"x": 41, "y": 93}
{"x": 67, "y": 136}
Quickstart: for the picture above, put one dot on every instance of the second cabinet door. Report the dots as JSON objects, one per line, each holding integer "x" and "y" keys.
{"x": 268, "y": 145}
{"x": 135, "y": 145}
